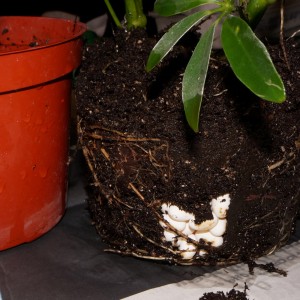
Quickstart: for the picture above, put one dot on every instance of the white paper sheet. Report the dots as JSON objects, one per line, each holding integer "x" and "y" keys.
{"x": 262, "y": 285}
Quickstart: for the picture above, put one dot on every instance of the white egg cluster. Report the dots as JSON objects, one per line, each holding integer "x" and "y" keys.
{"x": 209, "y": 231}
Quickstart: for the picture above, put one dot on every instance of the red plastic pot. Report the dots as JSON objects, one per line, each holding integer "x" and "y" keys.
{"x": 37, "y": 57}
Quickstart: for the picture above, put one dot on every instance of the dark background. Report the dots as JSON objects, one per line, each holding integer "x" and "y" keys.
{"x": 86, "y": 10}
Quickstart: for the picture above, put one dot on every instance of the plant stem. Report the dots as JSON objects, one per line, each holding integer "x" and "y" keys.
{"x": 253, "y": 10}
{"x": 135, "y": 16}
{"x": 113, "y": 14}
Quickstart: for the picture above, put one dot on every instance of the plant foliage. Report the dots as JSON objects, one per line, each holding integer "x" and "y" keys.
{"x": 246, "y": 54}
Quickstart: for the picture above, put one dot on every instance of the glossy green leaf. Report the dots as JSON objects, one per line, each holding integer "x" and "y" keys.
{"x": 171, "y": 37}
{"x": 250, "y": 60}
{"x": 194, "y": 78}
{"x": 172, "y": 7}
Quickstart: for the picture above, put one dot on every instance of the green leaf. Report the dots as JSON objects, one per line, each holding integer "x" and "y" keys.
{"x": 171, "y": 37}
{"x": 250, "y": 60}
{"x": 194, "y": 78}
{"x": 172, "y": 7}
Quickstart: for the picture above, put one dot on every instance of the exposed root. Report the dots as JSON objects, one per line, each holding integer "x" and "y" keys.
{"x": 282, "y": 35}
{"x": 157, "y": 155}
{"x": 116, "y": 135}
{"x": 286, "y": 159}
{"x": 122, "y": 202}
{"x": 136, "y": 191}
{"x": 135, "y": 254}
{"x": 293, "y": 34}
{"x": 172, "y": 259}
{"x": 153, "y": 242}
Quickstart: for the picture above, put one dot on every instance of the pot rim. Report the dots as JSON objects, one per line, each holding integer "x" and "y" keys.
{"x": 79, "y": 29}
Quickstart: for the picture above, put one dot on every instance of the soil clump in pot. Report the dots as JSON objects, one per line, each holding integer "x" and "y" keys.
{"x": 157, "y": 190}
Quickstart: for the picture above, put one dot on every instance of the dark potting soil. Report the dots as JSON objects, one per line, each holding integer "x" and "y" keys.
{"x": 141, "y": 152}
{"x": 233, "y": 294}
